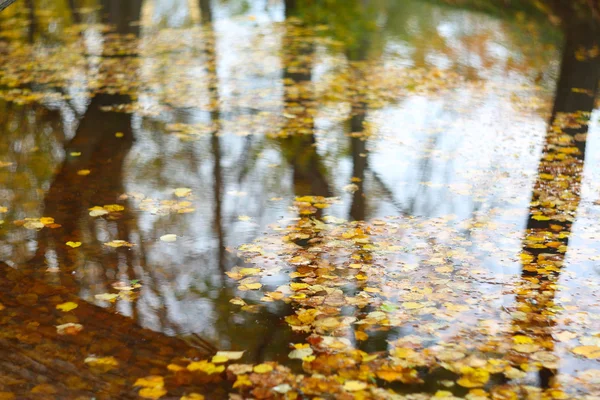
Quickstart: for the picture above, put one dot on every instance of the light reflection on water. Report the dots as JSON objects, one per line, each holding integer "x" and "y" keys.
{"x": 467, "y": 154}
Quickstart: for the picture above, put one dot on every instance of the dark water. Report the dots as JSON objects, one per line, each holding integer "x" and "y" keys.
{"x": 206, "y": 120}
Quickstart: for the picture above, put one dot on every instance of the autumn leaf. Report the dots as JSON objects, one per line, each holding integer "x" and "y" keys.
{"x": 168, "y": 237}
{"x": 353, "y": 386}
{"x": 104, "y": 363}
{"x": 587, "y": 351}
{"x": 473, "y": 377}
{"x": 230, "y": 355}
{"x": 182, "y": 192}
{"x": 262, "y": 368}
{"x": 69, "y": 328}
{"x": 119, "y": 243}
{"x": 192, "y": 396}
{"x": 73, "y": 244}
{"x": 68, "y": 306}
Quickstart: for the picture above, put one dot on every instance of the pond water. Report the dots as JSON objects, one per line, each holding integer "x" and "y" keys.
{"x": 371, "y": 199}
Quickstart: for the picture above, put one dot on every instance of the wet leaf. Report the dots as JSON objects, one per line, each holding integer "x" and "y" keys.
{"x": 168, "y": 237}
{"x": 262, "y": 368}
{"x": 353, "y": 386}
{"x": 68, "y": 306}
{"x": 69, "y": 329}
{"x": 183, "y": 192}
{"x": 119, "y": 243}
{"x": 73, "y": 244}
{"x": 230, "y": 355}
{"x": 587, "y": 351}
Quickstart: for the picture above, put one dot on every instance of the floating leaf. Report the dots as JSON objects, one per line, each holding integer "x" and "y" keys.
{"x": 183, "y": 192}
{"x": 102, "y": 362}
{"x": 68, "y": 306}
{"x": 69, "y": 329}
{"x": 170, "y": 237}
{"x": 106, "y": 297}
{"x": 73, "y": 244}
{"x": 230, "y": 355}
{"x": 353, "y": 386}
{"x": 587, "y": 351}
{"x": 262, "y": 368}
{"x": 119, "y": 243}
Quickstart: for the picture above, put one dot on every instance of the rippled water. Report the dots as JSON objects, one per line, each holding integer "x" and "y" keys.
{"x": 209, "y": 120}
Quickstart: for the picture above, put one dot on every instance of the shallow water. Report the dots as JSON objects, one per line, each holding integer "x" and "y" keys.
{"x": 409, "y": 179}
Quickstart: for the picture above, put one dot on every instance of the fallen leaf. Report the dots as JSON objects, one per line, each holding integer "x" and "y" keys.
{"x": 587, "y": 351}
{"x": 73, "y": 244}
{"x": 182, "y": 192}
{"x": 262, "y": 368}
{"x": 170, "y": 237}
{"x": 353, "y": 386}
{"x": 119, "y": 243}
{"x": 68, "y": 306}
{"x": 69, "y": 329}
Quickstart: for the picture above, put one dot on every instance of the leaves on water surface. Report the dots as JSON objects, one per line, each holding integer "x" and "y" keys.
{"x": 66, "y": 307}
{"x": 98, "y": 211}
{"x": 102, "y": 363}
{"x": 107, "y": 297}
{"x": 262, "y": 368}
{"x": 182, "y": 192}
{"x": 119, "y": 243}
{"x": 230, "y": 355}
{"x": 170, "y": 237}
{"x": 73, "y": 244}
{"x": 153, "y": 387}
{"x": 588, "y": 351}
{"x": 69, "y": 328}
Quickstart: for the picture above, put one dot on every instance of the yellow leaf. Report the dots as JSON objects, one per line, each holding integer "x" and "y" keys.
{"x": 107, "y": 296}
{"x": 298, "y": 286}
{"x": 75, "y": 153}
{"x": 230, "y": 355}
{"x": 206, "y": 367}
{"x": 83, "y": 172}
{"x": 242, "y": 380}
{"x": 250, "y": 286}
{"x": 237, "y": 301}
{"x": 73, "y": 244}
{"x": 170, "y": 237}
{"x": 119, "y": 134}
{"x": 192, "y": 396}
{"x": 219, "y": 359}
{"x": 152, "y": 392}
{"x": 183, "y": 192}
{"x": 541, "y": 218}
{"x": 105, "y": 362}
{"x": 113, "y": 207}
{"x": 587, "y": 351}
{"x": 119, "y": 243}
{"x": 353, "y": 386}
{"x": 411, "y": 305}
{"x": 175, "y": 367}
{"x": 3, "y": 209}
{"x": 473, "y": 377}
{"x": 262, "y": 368}
{"x": 47, "y": 220}
{"x": 97, "y": 211}
{"x": 249, "y": 271}
{"x": 150, "y": 381}
{"x": 68, "y": 306}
